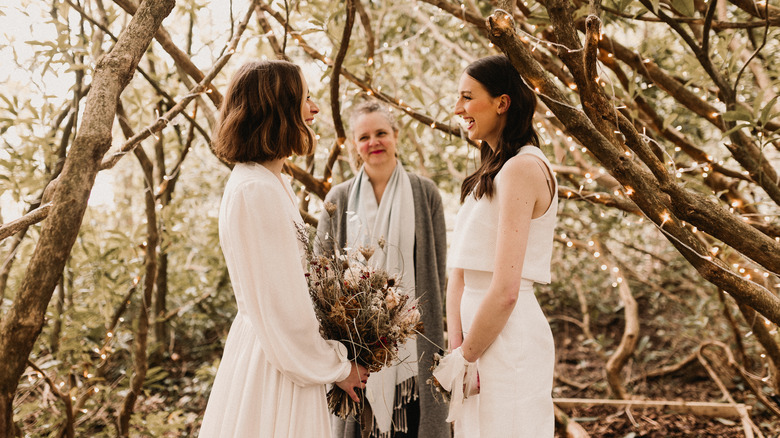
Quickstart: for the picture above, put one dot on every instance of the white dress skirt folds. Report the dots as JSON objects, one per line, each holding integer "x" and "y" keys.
{"x": 271, "y": 380}
{"x": 516, "y": 371}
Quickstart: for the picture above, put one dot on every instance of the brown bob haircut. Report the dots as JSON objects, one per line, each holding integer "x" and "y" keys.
{"x": 260, "y": 119}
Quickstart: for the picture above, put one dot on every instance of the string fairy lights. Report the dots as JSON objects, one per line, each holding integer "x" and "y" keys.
{"x": 679, "y": 172}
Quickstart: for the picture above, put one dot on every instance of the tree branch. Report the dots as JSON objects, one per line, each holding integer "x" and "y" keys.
{"x": 716, "y": 25}
{"x": 22, "y": 324}
{"x": 335, "y": 94}
{"x": 31, "y": 218}
{"x": 140, "y": 70}
{"x": 647, "y": 193}
{"x": 705, "y": 42}
{"x": 370, "y": 37}
{"x": 772, "y": 13}
{"x": 67, "y": 428}
{"x": 261, "y": 20}
{"x": 625, "y": 350}
{"x": 141, "y": 334}
{"x": 179, "y": 57}
{"x": 202, "y": 87}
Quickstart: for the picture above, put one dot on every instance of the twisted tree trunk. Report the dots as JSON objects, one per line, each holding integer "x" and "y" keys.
{"x": 24, "y": 321}
{"x": 615, "y": 142}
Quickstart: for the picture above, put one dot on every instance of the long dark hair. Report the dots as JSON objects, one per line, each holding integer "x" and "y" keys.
{"x": 498, "y": 76}
{"x": 260, "y": 119}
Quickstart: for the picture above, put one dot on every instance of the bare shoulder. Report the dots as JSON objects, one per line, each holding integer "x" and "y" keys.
{"x": 524, "y": 169}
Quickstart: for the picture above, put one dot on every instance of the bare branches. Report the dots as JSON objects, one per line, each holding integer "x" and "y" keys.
{"x": 600, "y": 198}
{"x": 756, "y": 9}
{"x": 461, "y": 12}
{"x": 705, "y": 43}
{"x": 437, "y": 35}
{"x": 758, "y": 325}
{"x": 335, "y": 94}
{"x": 651, "y": 196}
{"x": 716, "y": 25}
{"x": 181, "y": 58}
{"x": 140, "y": 70}
{"x": 20, "y": 327}
{"x": 202, "y": 87}
{"x": 756, "y": 52}
{"x": 312, "y": 184}
{"x": 729, "y": 359}
{"x": 371, "y": 91}
{"x": 261, "y": 20}
{"x": 140, "y": 364}
{"x": 370, "y": 37}
{"x": 742, "y": 148}
{"x": 25, "y": 221}
{"x": 67, "y": 428}
{"x": 627, "y": 346}
{"x": 321, "y": 187}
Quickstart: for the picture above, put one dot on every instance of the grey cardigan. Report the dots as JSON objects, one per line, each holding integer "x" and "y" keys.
{"x": 430, "y": 251}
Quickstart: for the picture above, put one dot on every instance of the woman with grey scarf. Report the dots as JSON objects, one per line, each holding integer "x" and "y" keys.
{"x": 384, "y": 202}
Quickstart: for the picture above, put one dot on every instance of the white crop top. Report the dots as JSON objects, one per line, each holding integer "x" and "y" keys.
{"x": 476, "y": 229}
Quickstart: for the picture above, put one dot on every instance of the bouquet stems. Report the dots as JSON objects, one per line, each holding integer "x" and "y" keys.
{"x": 341, "y": 404}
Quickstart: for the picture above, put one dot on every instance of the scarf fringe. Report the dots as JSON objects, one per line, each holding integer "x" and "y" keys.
{"x": 405, "y": 393}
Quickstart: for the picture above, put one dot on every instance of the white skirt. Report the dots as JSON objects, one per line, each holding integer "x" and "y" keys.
{"x": 515, "y": 372}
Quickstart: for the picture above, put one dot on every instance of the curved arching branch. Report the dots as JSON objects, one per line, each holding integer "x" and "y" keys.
{"x": 650, "y": 196}
{"x": 179, "y": 56}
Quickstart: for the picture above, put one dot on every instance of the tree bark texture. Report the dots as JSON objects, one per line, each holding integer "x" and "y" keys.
{"x": 657, "y": 195}
{"x": 23, "y": 323}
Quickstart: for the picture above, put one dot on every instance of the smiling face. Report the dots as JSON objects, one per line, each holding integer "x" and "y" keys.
{"x": 374, "y": 139}
{"x": 484, "y": 116}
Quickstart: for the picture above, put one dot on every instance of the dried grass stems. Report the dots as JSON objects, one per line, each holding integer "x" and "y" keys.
{"x": 436, "y": 387}
{"x": 361, "y": 306}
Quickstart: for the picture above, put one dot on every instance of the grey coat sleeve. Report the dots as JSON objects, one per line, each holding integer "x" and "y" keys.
{"x": 440, "y": 237}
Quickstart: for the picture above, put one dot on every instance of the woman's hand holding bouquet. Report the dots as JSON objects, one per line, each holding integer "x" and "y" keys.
{"x": 362, "y": 307}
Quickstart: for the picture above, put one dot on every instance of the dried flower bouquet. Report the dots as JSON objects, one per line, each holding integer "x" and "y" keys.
{"x": 362, "y": 307}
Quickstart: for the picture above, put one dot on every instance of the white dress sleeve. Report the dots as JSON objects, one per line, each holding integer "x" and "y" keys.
{"x": 270, "y": 286}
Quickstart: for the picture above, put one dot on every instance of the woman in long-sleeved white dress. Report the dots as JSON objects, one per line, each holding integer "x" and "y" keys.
{"x": 271, "y": 381}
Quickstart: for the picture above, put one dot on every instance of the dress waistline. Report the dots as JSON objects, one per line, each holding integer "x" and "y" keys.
{"x": 479, "y": 281}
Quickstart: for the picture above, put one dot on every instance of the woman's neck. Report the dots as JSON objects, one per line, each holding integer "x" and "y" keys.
{"x": 275, "y": 166}
{"x": 379, "y": 176}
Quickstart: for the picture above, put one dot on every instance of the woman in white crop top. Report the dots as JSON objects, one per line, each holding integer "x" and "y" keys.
{"x": 500, "y": 369}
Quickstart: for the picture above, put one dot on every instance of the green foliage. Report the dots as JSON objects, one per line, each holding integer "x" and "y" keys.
{"x": 420, "y": 54}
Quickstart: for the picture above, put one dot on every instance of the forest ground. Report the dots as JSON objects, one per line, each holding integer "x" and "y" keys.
{"x": 666, "y": 338}
{"x": 579, "y": 365}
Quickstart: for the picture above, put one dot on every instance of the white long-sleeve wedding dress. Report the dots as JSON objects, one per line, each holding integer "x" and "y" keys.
{"x": 271, "y": 380}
